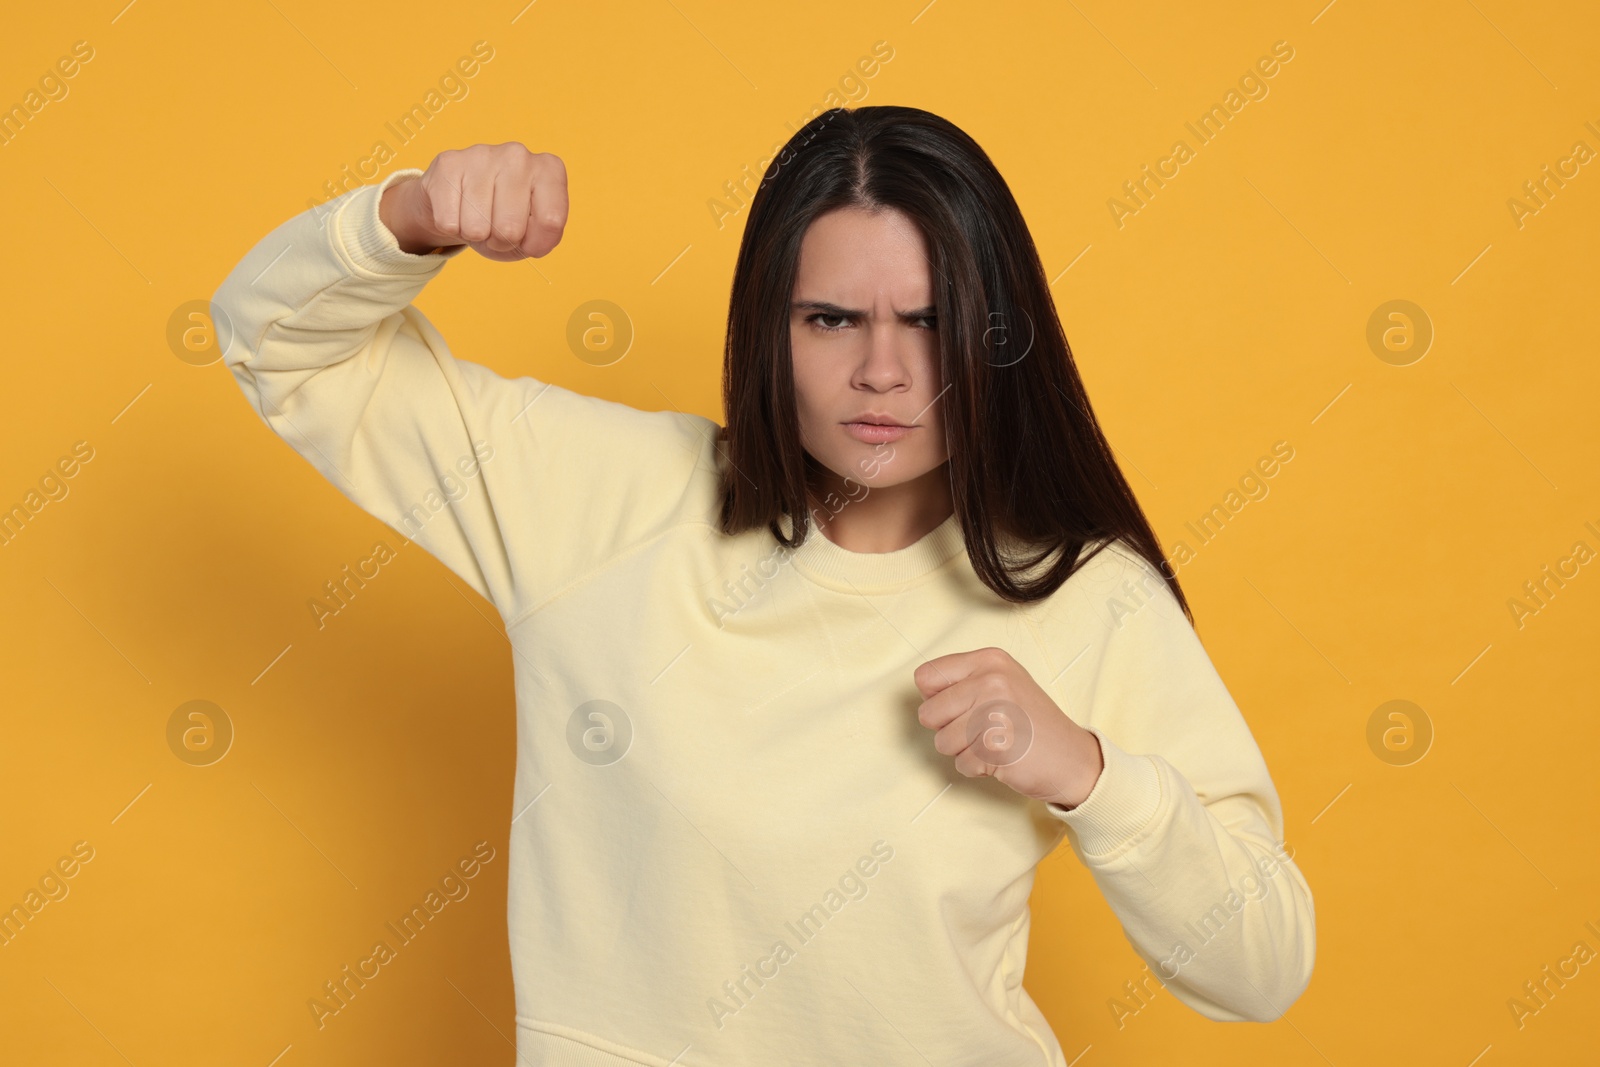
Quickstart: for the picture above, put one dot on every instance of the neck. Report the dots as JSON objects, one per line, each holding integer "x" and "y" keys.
{"x": 859, "y": 518}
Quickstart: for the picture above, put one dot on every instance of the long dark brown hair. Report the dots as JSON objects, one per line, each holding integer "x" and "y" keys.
{"x": 1028, "y": 461}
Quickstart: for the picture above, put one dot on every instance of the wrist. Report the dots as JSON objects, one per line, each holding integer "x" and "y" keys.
{"x": 1090, "y": 764}
{"x": 399, "y": 209}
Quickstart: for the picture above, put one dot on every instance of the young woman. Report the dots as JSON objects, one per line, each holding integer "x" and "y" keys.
{"x": 781, "y": 792}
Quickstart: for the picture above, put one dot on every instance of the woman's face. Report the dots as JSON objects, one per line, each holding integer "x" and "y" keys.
{"x": 861, "y": 330}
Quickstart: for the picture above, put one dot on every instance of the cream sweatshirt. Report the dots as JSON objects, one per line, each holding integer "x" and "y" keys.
{"x": 731, "y": 841}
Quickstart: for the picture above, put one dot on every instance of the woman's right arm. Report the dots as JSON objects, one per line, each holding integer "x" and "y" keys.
{"x": 514, "y": 483}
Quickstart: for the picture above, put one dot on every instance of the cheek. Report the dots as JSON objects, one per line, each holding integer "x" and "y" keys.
{"x": 936, "y": 397}
{"x": 934, "y": 451}
{"x": 813, "y": 384}
{"x": 805, "y": 387}
{"x": 811, "y": 395}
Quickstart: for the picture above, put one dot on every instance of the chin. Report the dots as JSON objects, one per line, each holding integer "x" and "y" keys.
{"x": 870, "y": 465}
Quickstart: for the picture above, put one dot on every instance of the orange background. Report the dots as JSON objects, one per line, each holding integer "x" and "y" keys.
{"x": 1228, "y": 313}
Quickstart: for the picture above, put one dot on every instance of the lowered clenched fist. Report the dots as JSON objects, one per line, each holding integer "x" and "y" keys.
{"x": 504, "y": 201}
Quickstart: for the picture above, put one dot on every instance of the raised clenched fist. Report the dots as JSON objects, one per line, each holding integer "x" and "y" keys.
{"x": 506, "y": 202}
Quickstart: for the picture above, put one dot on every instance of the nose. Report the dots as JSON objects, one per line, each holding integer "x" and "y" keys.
{"x": 886, "y": 362}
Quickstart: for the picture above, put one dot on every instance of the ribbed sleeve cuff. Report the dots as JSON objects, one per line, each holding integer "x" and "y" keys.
{"x": 368, "y": 242}
{"x": 1124, "y": 801}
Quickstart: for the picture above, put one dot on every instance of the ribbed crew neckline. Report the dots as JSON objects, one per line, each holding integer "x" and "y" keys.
{"x": 839, "y": 568}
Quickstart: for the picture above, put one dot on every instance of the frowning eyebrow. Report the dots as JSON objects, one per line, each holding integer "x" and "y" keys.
{"x": 836, "y": 311}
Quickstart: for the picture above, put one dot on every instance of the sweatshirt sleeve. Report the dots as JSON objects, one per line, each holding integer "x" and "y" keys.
{"x": 1183, "y": 829}
{"x": 516, "y": 484}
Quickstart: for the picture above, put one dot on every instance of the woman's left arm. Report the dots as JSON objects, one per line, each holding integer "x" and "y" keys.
{"x": 1176, "y": 816}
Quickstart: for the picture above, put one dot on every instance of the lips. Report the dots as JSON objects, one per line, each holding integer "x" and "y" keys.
{"x": 877, "y": 420}
{"x": 876, "y": 433}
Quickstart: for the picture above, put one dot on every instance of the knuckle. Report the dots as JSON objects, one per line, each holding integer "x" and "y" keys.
{"x": 996, "y": 686}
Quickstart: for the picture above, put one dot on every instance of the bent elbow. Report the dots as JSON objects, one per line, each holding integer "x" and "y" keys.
{"x": 1263, "y": 989}
{"x": 1272, "y": 995}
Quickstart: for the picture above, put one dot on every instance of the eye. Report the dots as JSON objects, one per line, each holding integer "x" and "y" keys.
{"x": 931, "y": 321}
{"x": 815, "y": 320}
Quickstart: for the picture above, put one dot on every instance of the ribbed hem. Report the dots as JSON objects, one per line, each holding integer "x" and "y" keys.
{"x": 1124, "y": 801}
{"x": 861, "y": 572}
{"x": 369, "y": 244}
